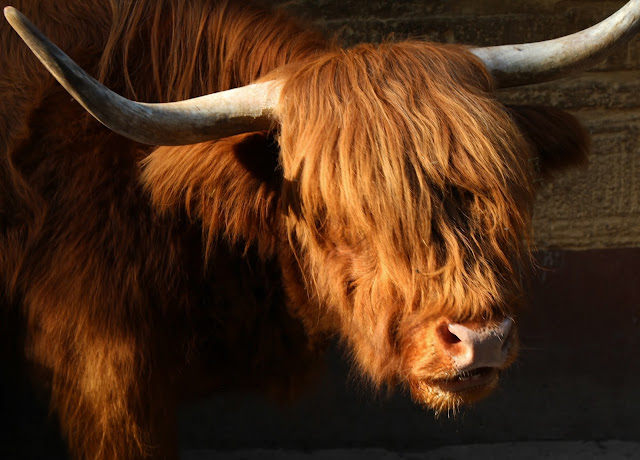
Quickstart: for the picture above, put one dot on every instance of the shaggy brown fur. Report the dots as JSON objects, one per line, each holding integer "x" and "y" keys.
{"x": 396, "y": 194}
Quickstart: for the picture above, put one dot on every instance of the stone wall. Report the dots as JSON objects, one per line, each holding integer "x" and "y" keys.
{"x": 595, "y": 207}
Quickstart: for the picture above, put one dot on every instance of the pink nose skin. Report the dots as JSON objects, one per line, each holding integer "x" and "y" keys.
{"x": 478, "y": 347}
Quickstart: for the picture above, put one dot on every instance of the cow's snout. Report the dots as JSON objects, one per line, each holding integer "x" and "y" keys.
{"x": 477, "y": 345}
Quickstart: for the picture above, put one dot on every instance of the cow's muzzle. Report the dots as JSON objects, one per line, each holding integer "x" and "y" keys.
{"x": 478, "y": 352}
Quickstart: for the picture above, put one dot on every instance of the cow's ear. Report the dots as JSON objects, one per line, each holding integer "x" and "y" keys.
{"x": 559, "y": 140}
{"x": 230, "y": 186}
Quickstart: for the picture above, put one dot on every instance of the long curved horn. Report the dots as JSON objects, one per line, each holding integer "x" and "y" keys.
{"x": 516, "y": 65}
{"x": 217, "y": 115}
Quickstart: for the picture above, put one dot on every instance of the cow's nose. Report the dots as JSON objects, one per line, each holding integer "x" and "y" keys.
{"x": 476, "y": 345}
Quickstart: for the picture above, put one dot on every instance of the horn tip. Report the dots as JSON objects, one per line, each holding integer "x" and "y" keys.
{"x": 11, "y": 14}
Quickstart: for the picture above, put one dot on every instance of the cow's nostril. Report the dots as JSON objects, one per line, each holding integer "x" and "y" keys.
{"x": 446, "y": 336}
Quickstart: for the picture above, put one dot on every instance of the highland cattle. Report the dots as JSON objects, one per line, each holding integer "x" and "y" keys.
{"x": 299, "y": 190}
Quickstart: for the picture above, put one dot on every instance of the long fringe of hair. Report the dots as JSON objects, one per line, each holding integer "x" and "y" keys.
{"x": 408, "y": 186}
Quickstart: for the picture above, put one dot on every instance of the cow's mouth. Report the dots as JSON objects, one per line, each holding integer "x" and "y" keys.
{"x": 468, "y": 380}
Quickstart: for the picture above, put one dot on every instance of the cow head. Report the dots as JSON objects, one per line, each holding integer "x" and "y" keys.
{"x": 408, "y": 193}
{"x": 405, "y": 194}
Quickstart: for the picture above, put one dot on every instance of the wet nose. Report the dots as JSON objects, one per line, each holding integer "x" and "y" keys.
{"x": 476, "y": 345}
